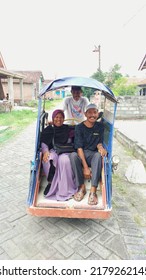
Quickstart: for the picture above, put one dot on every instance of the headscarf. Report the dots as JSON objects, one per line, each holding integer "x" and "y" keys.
{"x": 60, "y": 134}
{"x": 57, "y": 112}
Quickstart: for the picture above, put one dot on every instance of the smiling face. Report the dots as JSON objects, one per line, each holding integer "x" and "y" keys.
{"x": 58, "y": 120}
{"x": 76, "y": 94}
{"x": 91, "y": 115}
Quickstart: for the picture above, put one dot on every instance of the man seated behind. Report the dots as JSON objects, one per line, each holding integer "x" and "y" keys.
{"x": 75, "y": 105}
{"x": 90, "y": 150}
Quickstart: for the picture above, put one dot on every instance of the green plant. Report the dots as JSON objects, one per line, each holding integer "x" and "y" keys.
{"x": 32, "y": 103}
{"x": 121, "y": 87}
{"x": 50, "y": 104}
{"x": 137, "y": 219}
{"x": 15, "y": 121}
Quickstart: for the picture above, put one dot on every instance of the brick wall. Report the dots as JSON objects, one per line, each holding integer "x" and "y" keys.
{"x": 128, "y": 107}
{"x": 131, "y": 107}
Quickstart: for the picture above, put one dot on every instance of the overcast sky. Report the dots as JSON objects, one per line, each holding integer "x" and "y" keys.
{"x": 58, "y": 36}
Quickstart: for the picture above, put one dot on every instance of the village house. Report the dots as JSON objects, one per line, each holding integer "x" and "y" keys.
{"x": 32, "y": 83}
{"x": 142, "y": 84}
{"x": 19, "y": 86}
{"x": 7, "y": 98}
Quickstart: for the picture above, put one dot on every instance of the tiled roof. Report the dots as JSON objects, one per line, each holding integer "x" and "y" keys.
{"x": 133, "y": 80}
{"x": 31, "y": 76}
{"x": 4, "y": 74}
{"x": 143, "y": 64}
{"x": 2, "y": 63}
{"x": 142, "y": 82}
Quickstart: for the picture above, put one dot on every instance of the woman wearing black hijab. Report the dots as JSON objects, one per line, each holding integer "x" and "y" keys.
{"x": 57, "y": 168}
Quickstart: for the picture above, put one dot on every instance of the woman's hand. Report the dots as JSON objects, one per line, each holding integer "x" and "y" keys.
{"x": 46, "y": 156}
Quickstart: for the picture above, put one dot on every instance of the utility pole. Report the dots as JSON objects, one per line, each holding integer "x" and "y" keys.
{"x": 97, "y": 49}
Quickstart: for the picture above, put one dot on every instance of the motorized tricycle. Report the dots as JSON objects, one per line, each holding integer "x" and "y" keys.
{"x": 37, "y": 204}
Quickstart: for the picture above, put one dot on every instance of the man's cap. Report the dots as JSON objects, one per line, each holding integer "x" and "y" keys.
{"x": 91, "y": 106}
{"x": 76, "y": 88}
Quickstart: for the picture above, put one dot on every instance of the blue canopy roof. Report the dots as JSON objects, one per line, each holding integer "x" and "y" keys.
{"x": 78, "y": 81}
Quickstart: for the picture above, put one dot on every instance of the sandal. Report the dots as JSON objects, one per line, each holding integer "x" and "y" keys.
{"x": 47, "y": 189}
{"x": 92, "y": 199}
{"x": 79, "y": 195}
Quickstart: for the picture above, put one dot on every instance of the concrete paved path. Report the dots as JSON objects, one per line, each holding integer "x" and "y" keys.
{"x": 26, "y": 237}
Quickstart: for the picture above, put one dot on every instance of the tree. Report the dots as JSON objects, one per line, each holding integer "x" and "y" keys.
{"x": 99, "y": 76}
{"x": 88, "y": 92}
{"x": 114, "y": 80}
{"x": 121, "y": 87}
{"x": 113, "y": 75}
{"x": 110, "y": 77}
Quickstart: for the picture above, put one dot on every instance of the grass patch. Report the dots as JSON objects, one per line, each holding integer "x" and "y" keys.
{"x": 48, "y": 103}
{"x": 18, "y": 120}
{"x": 137, "y": 219}
{"x": 119, "y": 183}
{"x": 53, "y": 103}
{"x": 32, "y": 103}
{"x": 128, "y": 151}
